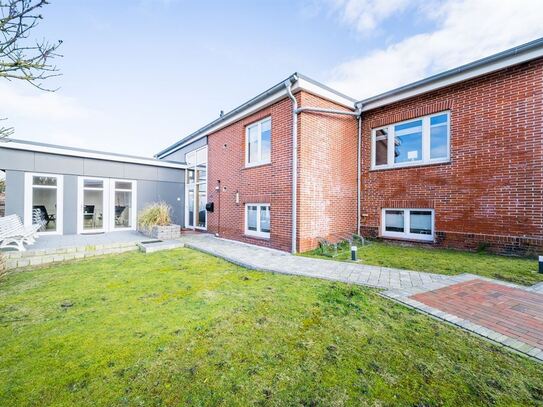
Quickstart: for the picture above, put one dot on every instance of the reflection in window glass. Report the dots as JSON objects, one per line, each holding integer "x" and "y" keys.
{"x": 123, "y": 209}
{"x": 45, "y": 181}
{"x": 201, "y": 156}
{"x": 381, "y": 147}
{"x": 420, "y": 222}
{"x": 408, "y": 142}
{"x": 253, "y": 144}
{"x": 93, "y": 183}
{"x": 251, "y": 217}
{"x": 44, "y": 206}
{"x": 265, "y": 219}
{"x": 394, "y": 221}
{"x": 439, "y": 136}
{"x": 123, "y": 185}
{"x": 266, "y": 141}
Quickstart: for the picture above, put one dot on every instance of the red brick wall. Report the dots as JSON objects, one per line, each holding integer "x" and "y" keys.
{"x": 492, "y": 190}
{"x": 327, "y": 174}
{"x": 326, "y": 183}
{"x": 269, "y": 183}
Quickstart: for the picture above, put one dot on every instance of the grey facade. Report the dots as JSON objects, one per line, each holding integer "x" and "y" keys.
{"x": 154, "y": 182}
{"x": 179, "y": 155}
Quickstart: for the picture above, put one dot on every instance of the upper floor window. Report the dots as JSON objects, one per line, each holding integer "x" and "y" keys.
{"x": 258, "y": 143}
{"x": 415, "y": 142}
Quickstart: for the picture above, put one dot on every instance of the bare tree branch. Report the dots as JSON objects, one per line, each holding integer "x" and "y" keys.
{"x": 20, "y": 58}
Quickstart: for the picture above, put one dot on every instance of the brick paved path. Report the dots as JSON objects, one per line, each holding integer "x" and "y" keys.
{"x": 506, "y": 313}
{"x": 510, "y": 311}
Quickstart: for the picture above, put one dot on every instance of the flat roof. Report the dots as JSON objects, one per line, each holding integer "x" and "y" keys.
{"x": 33, "y": 146}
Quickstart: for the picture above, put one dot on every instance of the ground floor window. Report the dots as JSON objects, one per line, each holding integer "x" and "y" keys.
{"x": 416, "y": 224}
{"x": 43, "y": 201}
{"x": 257, "y": 220}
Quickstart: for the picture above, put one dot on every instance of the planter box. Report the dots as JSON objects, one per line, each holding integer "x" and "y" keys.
{"x": 169, "y": 232}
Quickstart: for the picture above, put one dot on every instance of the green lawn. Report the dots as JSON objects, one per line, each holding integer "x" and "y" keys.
{"x": 442, "y": 261}
{"x": 181, "y": 327}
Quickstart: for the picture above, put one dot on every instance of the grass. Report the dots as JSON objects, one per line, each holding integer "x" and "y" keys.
{"x": 442, "y": 261}
{"x": 181, "y": 327}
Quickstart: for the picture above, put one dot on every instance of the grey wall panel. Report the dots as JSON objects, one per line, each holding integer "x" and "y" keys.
{"x": 170, "y": 175}
{"x": 70, "y": 204}
{"x": 15, "y": 196}
{"x": 58, "y": 164}
{"x": 135, "y": 171}
{"x": 16, "y": 160}
{"x": 179, "y": 155}
{"x": 101, "y": 168}
{"x": 147, "y": 193}
{"x": 173, "y": 194}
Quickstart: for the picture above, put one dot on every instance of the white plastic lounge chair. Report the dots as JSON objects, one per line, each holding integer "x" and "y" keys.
{"x": 14, "y": 234}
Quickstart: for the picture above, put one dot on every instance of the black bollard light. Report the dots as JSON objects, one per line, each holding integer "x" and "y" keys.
{"x": 541, "y": 264}
{"x": 354, "y": 250}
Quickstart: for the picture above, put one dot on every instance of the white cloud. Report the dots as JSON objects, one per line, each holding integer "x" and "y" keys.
{"x": 32, "y": 103}
{"x": 466, "y": 30}
{"x": 364, "y": 15}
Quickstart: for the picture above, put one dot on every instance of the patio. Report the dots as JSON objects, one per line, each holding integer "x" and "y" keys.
{"x": 58, "y": 248}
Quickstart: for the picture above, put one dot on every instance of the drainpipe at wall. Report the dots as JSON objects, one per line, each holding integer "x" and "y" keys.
{"x": 359, "y": 169}
{"x": 288, "y": 85}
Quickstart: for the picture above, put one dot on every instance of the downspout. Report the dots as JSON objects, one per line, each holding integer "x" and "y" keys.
{"x": 288, "y": 85}
{"x": 359, "y": 169}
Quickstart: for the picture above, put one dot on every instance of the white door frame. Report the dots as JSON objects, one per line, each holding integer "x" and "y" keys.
{"x": 80, "y": 204}
{"x": 28, "y": 192}
{"x": 108, "y": 224}
{"x": 111, "y": 203}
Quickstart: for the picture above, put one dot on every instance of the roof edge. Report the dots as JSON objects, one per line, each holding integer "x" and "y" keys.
{"x": 295, "y": 79}
{"x": 530, "y": 51}
{"x": 34, "y": 146}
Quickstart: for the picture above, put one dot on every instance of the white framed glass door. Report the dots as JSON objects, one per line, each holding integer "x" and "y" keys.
{"x": 43, "y": 202}
{"x": 196, "y": 189}
{"x": 92, "y": 205}
{"x": 106, "y": 205}
{"x": 123, "y": 204}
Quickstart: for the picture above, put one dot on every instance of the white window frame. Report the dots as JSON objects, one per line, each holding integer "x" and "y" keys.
{"x": 406, "y": 235}
{"x": 196, "y": 185}
{"x": 425, "y": 144}
{"x": 134, "y": 203}
{"x": 260, "y": 161}
{"x": 258, "y": 232}
{"x": 59, "y": 215}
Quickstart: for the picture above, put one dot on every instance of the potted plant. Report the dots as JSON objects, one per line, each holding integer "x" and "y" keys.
{"x": 155, "y": 221}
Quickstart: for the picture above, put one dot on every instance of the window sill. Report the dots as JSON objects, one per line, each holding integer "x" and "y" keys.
{"x": 407, "y": 239}
{"x": 404, "y": 166}
{"x": 249, "y": 166}
{"x": 256, "y": 237}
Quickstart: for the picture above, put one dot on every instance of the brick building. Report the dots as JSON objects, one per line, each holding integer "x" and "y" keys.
{"x": 453, "y": 160}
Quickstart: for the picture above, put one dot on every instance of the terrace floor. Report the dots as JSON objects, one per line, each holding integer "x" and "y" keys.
{"x": 64, "y": 241}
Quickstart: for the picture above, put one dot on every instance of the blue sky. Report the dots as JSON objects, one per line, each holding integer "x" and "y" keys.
{"x": 140, "y": 74}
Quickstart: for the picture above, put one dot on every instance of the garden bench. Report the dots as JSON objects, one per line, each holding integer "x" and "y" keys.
{"x": 14, "y": 234}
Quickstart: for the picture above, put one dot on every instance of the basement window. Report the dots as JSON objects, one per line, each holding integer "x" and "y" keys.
{"x": 258, "y": 143}
{"x": 412, "y": 224}
{"x": 410, "y": 143}
{"x": 257, "y": 220}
